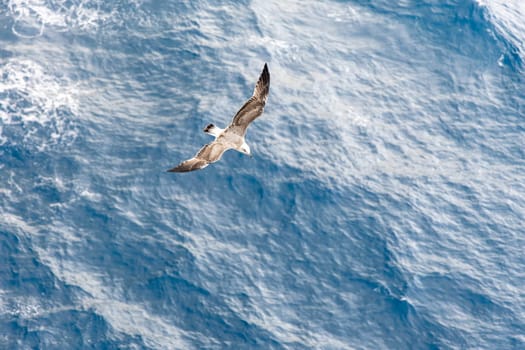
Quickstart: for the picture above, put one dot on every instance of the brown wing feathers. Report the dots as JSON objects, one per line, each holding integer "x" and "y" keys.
{"x": 255, "y": 105}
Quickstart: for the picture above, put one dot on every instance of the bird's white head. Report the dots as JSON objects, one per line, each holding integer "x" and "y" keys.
{"x": 246, "y": 149}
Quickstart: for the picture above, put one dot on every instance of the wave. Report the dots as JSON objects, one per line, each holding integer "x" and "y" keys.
{"x": 36, "y": 108}
{"x": 507, "y": 18}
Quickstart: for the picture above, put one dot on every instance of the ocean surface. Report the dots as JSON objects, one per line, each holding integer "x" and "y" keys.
{"x": 384, "y": 207}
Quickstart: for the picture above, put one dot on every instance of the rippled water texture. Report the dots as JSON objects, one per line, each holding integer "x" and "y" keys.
{"x": 383, "y": 208}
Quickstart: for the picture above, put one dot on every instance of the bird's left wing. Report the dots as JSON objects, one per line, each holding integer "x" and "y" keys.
{"x": 254, "y": 107}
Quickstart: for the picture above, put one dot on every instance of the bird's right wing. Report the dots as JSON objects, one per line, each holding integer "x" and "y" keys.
{"x": 210, "y": 153}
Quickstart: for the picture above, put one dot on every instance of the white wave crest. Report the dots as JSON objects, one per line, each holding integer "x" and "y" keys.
{"x": 31, "y": 17}
{"x": 508, "y": 17}
{"x": 35, "y": 107}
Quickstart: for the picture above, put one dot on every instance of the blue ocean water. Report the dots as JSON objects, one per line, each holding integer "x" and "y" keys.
{"x": 383, "y": 208}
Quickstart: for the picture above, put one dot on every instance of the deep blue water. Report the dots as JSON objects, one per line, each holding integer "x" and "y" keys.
{"x": 384, "y": 207}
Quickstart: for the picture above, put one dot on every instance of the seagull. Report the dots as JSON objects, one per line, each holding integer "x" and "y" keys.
{"x": 232, "y": 137}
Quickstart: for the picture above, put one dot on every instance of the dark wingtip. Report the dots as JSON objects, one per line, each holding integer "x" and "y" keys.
{"x": 178, "y": 169}
{"x": 265, "y": 71}
{"x": 189, "y": 165}
{"x": 265, "y": 80}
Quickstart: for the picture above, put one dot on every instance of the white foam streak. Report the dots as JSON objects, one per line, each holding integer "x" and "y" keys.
{"x": 33, "y": 16}
{"x": 107, "y": 299}
{"x": 125, "y": 317}
{"x": 267, "y": 312}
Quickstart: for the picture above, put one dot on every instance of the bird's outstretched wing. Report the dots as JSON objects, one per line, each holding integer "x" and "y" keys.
{"x": 254, "y": 106}
{"x": 210, "y": 153}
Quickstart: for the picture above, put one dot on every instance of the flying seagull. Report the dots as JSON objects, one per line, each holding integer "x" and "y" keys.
{"x": 233, "y": 136}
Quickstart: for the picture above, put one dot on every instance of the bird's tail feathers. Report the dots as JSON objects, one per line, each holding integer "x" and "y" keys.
{"x": 212, "y": 130}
